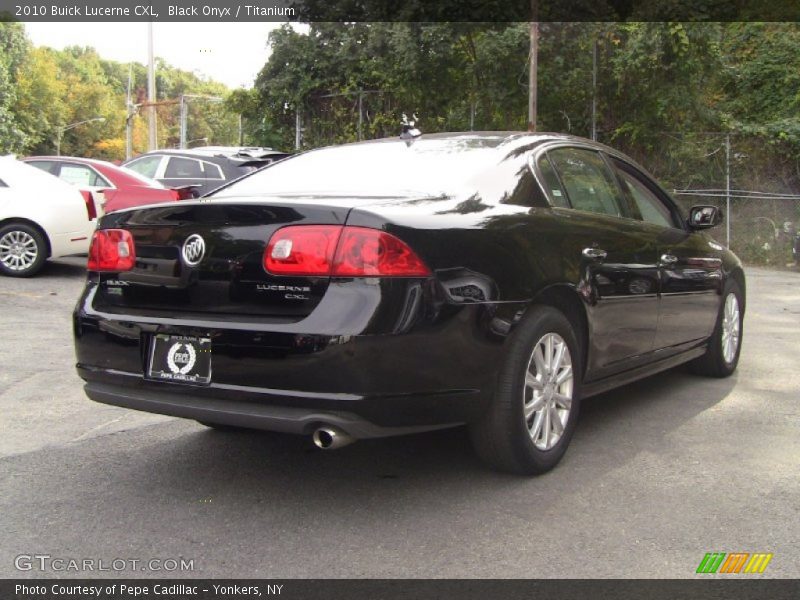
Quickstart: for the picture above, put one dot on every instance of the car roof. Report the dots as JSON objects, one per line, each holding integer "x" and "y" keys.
{"x": 77, "y": 159}
{"x": 16, "y": 174}
{"x": 423, "y": 160}
{"x": 210, "y": 154}
{"x": 505, "y": 139}
{"x": 119, "y": 175}
{"x": 506, "y": 142}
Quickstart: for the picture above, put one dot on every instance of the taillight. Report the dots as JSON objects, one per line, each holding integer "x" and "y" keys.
{"x": 366, "y": 252}
{"x": 91, "y": 210}
{"x": 111, "y": 250}
{"x": 302, "y": 250}
{"x": 336, "y": 251}
{"x": 184, "y": 192}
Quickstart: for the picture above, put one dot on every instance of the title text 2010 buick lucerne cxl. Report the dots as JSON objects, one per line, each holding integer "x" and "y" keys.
{"x": 403, "y": 285}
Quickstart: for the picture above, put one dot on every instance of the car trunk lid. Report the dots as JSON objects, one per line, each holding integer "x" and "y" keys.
{"x": 207, "y": 257}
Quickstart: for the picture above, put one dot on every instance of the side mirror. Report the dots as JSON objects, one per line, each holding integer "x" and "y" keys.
{"x": 704, "y": 217}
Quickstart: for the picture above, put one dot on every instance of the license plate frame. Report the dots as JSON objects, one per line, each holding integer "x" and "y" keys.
{"x": 183, "y": 359}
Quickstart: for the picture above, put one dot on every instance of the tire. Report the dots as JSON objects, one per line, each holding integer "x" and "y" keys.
{"x": 23, "y": 250}
{"x": 221, "y": 427}
{"x": 505, "y": 437}
{"x": 720, "y": 360}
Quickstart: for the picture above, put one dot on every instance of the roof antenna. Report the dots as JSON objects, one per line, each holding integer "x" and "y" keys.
{"x": 409, "y": 131}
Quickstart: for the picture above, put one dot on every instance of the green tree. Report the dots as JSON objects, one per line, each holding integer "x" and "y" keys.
{"x": 13, "y": 48}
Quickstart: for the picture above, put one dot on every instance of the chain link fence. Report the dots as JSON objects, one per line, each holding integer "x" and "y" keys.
{"x": 753, "y": 181}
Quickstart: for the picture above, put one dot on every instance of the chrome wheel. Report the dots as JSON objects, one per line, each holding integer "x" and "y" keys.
{"x": 547, "y": 397}
{"x": 731, "y": 328}
{"x": 18, "y": 250}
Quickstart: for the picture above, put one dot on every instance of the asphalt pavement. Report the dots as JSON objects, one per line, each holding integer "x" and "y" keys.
{"x": 659, "y": 473}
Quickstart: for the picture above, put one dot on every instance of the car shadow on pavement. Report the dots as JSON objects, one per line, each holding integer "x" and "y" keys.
{"x": 73, "y": 266}
{"x": 614, "y": 428}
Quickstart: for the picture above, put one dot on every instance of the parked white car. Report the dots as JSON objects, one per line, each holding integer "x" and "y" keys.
{"x": 41, "y": 217}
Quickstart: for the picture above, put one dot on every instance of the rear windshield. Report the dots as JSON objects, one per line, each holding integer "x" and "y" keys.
{"x": 381, "y": 169}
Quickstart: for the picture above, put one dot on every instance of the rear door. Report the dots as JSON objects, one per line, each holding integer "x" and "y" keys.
{"x": 618, "y": 257}
{"x": 690, "y": 265}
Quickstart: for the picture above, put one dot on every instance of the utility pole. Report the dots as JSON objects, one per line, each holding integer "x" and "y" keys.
{"x": 728, "y": 190}
{"x": 184, "y": 102}
{"x": 360, "y": 112}
{"x": 472, "y": 115}
{"x": 129, "y": 117}
{"x": 297, "y": 128}
{"x": 182, "y": 144}
{"x": 241, "y": 131}
{"x": 152, "y": 143}
{"x": 594, "y": 90}
{"x": 532, "y": 89}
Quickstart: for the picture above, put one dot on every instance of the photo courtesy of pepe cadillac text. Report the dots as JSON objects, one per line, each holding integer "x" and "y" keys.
{"x": 65, "y": 590}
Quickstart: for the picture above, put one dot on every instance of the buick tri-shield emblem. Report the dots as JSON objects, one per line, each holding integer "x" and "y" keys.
{"x": 194, "y": 248}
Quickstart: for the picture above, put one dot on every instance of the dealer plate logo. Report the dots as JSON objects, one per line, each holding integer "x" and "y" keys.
{"x": 194, "y": 248}
{"x": 181, "y": 362}
{"x": 180, "y": 359}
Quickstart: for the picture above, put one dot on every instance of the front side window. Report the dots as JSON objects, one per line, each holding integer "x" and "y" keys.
{"x": 650, "y": 206}
{"x": 147, "y": 165}
{"x": 587, "y": 181}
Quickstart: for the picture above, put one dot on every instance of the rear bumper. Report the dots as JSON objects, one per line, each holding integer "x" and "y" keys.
{"x": 241, "y": 413}
{"x": 438, "y": 370}
{"x": 288, "y": 411}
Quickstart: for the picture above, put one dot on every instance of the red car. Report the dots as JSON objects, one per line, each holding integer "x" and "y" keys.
{"x": 120, "y": 187}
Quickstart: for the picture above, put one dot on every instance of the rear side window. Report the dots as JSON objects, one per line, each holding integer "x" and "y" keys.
{"x": 147, "y": 165}
{"x": 555, "y": 193}
{"x": 212, "y": 171}
{"x": 3, "y": 183}
{"x": 183, "y": 168}
{"x": 587, "y": 181}
{"x": 44, "y": 165}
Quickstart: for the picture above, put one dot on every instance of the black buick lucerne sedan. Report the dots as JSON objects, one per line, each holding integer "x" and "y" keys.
{"x": 404, "y": 285}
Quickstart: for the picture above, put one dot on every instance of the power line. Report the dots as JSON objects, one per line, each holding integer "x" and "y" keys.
{"x": 746, "y": 196}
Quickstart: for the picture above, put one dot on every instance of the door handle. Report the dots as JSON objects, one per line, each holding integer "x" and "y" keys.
{"x": 594, "y": 253}
{"x": 668, "y": 259}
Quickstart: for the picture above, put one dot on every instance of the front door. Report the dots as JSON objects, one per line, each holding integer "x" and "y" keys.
{"x": 618, "y": 257}
{"x": 690, "y": 265}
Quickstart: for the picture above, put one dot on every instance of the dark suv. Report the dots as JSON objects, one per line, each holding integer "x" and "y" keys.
{"x": 206, "y": 168}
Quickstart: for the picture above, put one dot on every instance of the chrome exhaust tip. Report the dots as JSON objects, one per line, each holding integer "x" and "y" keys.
{"x": 329, "y": 438}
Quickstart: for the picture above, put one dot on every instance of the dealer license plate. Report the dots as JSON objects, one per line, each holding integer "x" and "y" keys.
{"x": 180, "y": 358}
